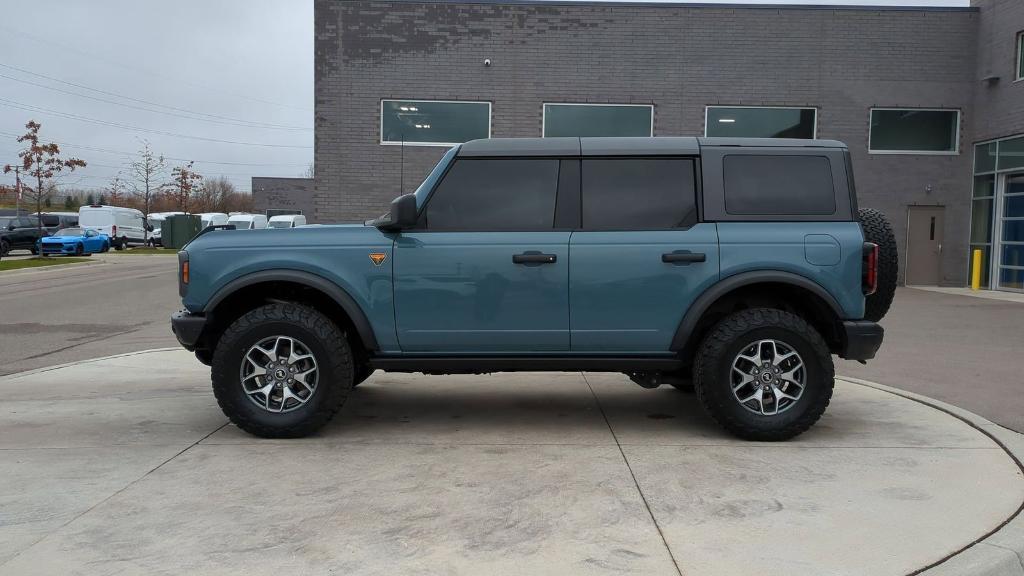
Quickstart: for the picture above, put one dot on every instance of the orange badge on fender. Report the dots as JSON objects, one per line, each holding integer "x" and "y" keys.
{"x": 378, "y": 258}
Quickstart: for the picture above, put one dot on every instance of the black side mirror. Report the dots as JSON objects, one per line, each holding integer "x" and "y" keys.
{"x": 403, "y": 214}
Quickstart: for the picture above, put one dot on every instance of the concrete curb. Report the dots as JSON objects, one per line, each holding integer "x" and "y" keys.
{"x": 6, "y": 377}
{"x": 44, "y": 269}
{"x": 1001, "y": 551}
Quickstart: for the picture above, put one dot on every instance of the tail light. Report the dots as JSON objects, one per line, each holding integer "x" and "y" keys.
{"x": 869, "y": 273}
{"x": 113, "y": 230}
{"x": 184, "y": 272}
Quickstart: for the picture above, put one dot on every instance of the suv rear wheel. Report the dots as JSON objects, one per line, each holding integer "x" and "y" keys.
{"x": 282, "y": 371}
{"x": 764, "y": 374}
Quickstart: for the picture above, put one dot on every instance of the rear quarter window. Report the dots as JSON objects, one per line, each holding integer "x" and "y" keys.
{"x": 766, "y": 184}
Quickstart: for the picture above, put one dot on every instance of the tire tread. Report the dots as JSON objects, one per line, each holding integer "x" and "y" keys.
{"x": 723, "y": 335}
{"x": 330, "y": 337}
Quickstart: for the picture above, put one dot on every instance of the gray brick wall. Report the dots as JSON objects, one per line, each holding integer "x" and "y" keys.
{"x": 1001, "y": 104}
{"x": 679, "y": 58}
{"x": 284, "y": 194}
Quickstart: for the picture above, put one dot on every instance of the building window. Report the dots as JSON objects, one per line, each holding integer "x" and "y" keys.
{"x": 760, "y": 122}
{"x": 997, "y": 213}
{"x": 1020, "y": 56}
{"x": 433, "y": 122}
{"x": 914, "y": 131}
{"x": 586, "y": 120}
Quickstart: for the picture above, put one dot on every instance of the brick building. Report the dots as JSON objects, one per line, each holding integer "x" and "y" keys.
{"x": 912, "y": 91}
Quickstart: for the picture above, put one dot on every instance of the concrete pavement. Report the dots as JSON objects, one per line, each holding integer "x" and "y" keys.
{"x": 125, "y": 465}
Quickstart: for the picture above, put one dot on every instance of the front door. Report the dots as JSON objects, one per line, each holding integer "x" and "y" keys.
{"x": 640, "y": 258}
{"x": 485, "y": 270}
{"x": 925, "y": 225}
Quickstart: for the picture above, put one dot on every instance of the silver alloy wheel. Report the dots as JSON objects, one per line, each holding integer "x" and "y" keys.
{"x": 768, "y": 377}
{"x": 279, "y": 374}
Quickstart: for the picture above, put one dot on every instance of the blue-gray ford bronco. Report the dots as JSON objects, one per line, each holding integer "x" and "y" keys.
{"x": 732, "y": 267}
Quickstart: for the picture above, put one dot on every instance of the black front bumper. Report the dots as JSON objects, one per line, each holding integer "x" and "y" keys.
{"x": 188, "y": 328}
{"x": 861, "y": 339}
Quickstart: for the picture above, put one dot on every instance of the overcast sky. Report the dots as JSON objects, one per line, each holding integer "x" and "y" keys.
{"x": 227, "y": 83}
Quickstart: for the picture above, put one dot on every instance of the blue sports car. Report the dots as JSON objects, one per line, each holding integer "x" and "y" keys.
{"x": 76, "y": 241}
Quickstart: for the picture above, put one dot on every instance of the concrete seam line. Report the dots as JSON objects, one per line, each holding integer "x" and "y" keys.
{"x": 6, "y": 377}
{"x": 974, "y": 421}
{"x": 116, "y": 492}
{"x": 632, "y": 475}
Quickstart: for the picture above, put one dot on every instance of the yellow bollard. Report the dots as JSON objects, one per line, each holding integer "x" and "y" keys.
{"x": 976, "y": 269}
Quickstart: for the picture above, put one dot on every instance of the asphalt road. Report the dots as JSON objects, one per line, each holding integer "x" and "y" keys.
{"x": 117, "y": 303}
{"x": 962, "y": 350}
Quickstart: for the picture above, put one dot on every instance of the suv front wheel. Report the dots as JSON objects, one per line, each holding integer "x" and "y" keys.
{"x": 764, "y": 374}
{"x": 282, "y": 371}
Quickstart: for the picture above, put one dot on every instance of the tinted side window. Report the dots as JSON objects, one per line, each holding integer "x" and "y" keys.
{"x": 50, "y": 220}
{"x": 638, "y": 193}
{"x": 782, "y": 185}
{"x": 495, "y": 194}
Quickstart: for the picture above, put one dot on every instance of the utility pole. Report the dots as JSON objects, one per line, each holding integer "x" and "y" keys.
{"x": 17, "y": 189}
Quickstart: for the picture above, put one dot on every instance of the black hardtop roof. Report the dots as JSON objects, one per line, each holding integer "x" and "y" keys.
{"x": 625, "y": 146}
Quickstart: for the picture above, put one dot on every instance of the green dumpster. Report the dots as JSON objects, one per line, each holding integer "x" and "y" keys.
{"x": 178, "y": 229}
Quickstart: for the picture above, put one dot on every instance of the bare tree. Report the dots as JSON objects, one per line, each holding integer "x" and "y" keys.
{"x": 42, "y": 162}
{"x": 116, "y": 189}
{"x": 147, "y": 171}
{"x": 185, "y": 182}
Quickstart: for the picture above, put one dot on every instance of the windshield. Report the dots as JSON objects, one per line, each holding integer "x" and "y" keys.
{"x": 70, "y": 232}
{"x": 239, "y": 223}
{"x": 156, "y": 224}
{"x": 279, "y": 224}
{"x": 432, "y": 178}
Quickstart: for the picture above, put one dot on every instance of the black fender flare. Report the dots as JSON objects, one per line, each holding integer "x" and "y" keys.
{"x": 730, "y": 283}
{"x": 332, "y": 290}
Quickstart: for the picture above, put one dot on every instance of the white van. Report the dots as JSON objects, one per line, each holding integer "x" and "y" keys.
{"x": 213, "y": 219}
{"x": 248, "y": 221}
{"x": 156, "y": 220}
{"x": 124, "y": 226}
{"x": 286, "y": 221}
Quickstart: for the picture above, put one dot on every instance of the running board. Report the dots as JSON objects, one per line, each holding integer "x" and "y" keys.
{"x": 483, "y": 364}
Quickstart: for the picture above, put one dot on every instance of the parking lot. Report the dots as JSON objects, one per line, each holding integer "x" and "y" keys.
{"x": 128, "y": 466}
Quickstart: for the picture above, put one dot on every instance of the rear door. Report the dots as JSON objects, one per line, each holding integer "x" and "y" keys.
{"x": 486, "y": 270}
{"x": 641, "y": 256}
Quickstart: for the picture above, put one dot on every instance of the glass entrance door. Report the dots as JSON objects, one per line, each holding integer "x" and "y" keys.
{"x": 1010, "y": 273}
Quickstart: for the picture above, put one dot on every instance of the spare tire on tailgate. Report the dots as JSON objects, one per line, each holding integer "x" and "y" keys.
{"x": 878, "y": 231}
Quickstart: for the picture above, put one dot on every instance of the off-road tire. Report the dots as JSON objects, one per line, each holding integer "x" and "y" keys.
{"x": 878, "y": 230}
{"x": 326, "y": 342}
{"x": 713, "y": 366}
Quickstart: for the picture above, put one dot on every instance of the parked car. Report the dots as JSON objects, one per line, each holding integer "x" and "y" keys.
{"x": 286, "y": 221}
{"x": 123, "y": 226}
{"x": 736, "y": 266}
{"x": 75, "y": 242}
{"x": 213, "y": 219}
{"x": 156, "y": 222}
{"x": 247, "y": 221}
{"x": 54, "y": 221}
{"x": 19, "y": 233}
